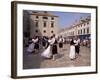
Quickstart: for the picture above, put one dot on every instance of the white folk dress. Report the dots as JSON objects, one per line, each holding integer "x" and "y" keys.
{"x": 30, "y": 48}
{"x": 47, "y": 52}
{"x": 72, "y": 52}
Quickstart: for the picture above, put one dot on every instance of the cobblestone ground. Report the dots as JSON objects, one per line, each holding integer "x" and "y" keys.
{"x": 31, "y": 61}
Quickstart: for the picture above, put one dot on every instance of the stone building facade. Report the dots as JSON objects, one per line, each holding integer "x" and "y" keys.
{"x": 81, "y": 28}
{"x": 43, "y": 24}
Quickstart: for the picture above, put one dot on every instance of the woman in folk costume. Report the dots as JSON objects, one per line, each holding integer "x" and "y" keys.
{"x": 60, "y": 41}
{"x": 30, "y": 47}
{"x": 51, "y": 49}
{"x": 72, "y": 50}
{"x": 36, "y": 43}
{"x": 47, "y": 53}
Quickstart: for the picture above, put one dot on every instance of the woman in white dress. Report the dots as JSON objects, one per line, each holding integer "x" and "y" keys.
{"x": 30, "y": 48}
{"x": 72, "y": 50}
{"x": 47, "y": 53}
{"x": 34, "y": 45}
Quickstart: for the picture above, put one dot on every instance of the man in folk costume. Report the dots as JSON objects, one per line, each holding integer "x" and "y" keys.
{"x": 36, "y": 43}
{"x": 44, "y": 42}
{"x": 77, "y": 45}
{"x": 54, "y": 47}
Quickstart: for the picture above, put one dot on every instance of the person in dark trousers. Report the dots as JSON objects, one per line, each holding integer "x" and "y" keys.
{"x": 77, "y": 45}
{"x": 43, "y": 42}
{"x": 60, "y": 42}
{"x": 54, "y": 47}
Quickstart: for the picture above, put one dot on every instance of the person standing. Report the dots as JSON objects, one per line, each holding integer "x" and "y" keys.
{"x": 60, "y": 43}
{"x": 54, "y": 49}
{"x": 44, "y": 42}
{"x": 77, "y": 45}
{"x": 72, "y": 50}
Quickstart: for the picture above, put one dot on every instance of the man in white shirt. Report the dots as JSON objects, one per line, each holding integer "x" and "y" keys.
{"x": 77, "y": 45}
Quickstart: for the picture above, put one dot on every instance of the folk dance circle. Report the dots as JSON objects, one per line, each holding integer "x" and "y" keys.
{"x": 50, "y": 46}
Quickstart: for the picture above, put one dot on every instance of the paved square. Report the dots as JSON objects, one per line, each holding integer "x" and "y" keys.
{"x": 33, "y": 61}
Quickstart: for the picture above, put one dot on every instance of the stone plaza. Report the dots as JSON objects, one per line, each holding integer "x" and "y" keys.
{"x": 35, "y": 61}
